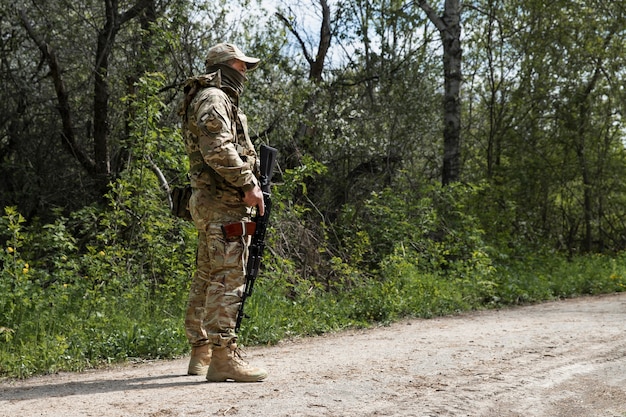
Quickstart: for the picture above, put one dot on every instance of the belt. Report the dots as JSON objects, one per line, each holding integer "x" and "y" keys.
{"x": 233, "y": 230}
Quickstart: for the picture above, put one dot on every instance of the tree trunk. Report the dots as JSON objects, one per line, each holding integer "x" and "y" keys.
{"x": 99, "y": 167}
{"x": 106, "y": 40}
{"x": 302, "y": 139}
{"x": 68, "y": 135}
{"x": 449, "y": 26}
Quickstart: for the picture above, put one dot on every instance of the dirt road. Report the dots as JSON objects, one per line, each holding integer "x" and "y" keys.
{"x": 565, "y": 358}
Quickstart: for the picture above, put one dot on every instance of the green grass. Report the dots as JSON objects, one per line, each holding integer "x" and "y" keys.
{"x": 403, "y": 290}
{"x": 74, "y": 327}
{"x": 68, "y": 308}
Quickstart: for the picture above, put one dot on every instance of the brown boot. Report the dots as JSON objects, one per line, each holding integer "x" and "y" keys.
{"x": 227, "y": 364}
{"x": 200, "y": 360}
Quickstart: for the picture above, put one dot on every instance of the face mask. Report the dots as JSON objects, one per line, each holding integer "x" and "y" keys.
{"x": 232, "y": 78}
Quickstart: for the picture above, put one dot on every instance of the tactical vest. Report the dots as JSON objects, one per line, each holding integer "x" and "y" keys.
{"x": 201, "y": 174}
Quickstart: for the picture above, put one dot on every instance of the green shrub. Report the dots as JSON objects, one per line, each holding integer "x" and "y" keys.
{"x": 110, "y": 283}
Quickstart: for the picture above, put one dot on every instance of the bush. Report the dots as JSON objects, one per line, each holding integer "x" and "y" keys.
{"x": 67, "y": 309}
{"x": 110, "y": 283}
{"x": 63, "y": 309}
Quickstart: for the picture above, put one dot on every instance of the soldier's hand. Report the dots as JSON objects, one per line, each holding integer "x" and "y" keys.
{"x": 254, "y": 197}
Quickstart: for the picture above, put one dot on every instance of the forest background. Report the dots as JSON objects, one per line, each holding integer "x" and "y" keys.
{"x": 433, "y": 158}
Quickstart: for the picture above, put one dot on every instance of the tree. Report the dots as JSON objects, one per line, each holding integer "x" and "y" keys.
{"x": 302, "y": 141}
{"x": 100, "y": 165}
{"x": 66, "y": 67}
{"x": 545, "y": 119}
{"x": 449, "y": 26}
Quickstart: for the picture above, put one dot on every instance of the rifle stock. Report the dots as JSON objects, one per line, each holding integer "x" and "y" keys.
{"x": 257, "y": 243}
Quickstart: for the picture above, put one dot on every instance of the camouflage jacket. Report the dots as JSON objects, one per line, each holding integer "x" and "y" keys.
{"x": 221, "y": 155}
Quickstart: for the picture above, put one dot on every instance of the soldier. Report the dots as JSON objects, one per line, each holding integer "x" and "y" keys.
{"x": 223, "y": 172}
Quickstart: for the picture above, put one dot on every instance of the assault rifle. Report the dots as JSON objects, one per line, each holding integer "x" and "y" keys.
{"x": 259, "y": 226}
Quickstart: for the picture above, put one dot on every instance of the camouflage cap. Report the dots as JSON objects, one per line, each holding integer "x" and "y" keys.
{"x": 224, "y": 52}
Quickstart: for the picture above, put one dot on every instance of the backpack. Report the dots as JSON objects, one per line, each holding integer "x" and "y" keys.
{"x": 180, "y": 202}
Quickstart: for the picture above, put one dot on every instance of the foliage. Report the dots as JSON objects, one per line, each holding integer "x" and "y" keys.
{"x": 105, "y": 284}
{"x": 281, "y": 309}
{"x": 362, "y": 233}
{"x": 67, "y": 308}
{"x": 545, "y": 125}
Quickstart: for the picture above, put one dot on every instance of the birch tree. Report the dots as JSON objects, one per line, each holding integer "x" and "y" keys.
{"x": 449, "y": 26}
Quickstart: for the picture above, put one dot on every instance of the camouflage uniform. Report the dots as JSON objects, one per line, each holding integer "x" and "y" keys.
{"x": 223, "y": 166}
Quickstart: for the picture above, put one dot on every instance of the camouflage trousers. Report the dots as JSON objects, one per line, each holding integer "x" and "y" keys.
{"x": 219, "y": 280}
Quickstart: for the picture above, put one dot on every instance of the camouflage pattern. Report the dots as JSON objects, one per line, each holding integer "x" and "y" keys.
{"x": 223, "y": 165}
{"x": 224, "y": 52}
{"x": 221, "y": 155}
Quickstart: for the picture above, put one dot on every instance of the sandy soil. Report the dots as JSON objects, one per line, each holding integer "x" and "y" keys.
{"x": 563, "y": 358}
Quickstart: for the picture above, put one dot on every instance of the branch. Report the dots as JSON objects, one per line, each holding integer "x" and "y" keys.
{"x": 432, "y": 15}
{"x": 324, "y": 45}
{"x": 134, "y": 11}
{"x": 157, "y": 171}
{"x": 291, "y": 28}
{"x": 369, "y": 79}
{"x": 266, "y": 132}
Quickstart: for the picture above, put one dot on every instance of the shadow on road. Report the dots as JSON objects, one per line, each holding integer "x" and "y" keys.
{"x": 95, "y": 386}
